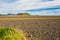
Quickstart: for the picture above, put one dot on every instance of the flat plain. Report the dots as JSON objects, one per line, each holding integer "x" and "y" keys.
{"x": 35, "y": 27}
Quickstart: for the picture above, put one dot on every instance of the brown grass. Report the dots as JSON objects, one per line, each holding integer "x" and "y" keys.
{"x": 28, "y": 17}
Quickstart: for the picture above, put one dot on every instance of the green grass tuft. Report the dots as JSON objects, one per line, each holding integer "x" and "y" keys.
{"x": 11, "y": 34}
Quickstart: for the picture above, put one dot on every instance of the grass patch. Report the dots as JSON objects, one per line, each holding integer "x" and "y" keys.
{"x": 11, "y": 34}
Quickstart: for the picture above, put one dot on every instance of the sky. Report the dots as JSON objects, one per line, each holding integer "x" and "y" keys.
{"x": 34, "y": 7}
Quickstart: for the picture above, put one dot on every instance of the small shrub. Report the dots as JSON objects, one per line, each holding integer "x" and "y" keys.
{"x": 23, "y": 14}
{"x": 11, "y": 34}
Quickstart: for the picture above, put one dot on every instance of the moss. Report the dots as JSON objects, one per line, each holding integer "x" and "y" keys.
{"x": 11, "y": 34}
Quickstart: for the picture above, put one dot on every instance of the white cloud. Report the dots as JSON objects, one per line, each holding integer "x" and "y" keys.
{"x": 23, "y": 5}
{"x": 29, "y": 4}
{"x": 42, "y": 13}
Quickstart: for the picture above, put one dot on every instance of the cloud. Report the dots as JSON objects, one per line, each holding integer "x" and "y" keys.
{"x": 24, "y": 5}
{"x": 45, "y": 9}
{"x": 48, "y": 12}
{"x": 7, "y": 1}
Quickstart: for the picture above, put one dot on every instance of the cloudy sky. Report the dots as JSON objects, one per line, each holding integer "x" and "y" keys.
{"x": 34, "y": 7}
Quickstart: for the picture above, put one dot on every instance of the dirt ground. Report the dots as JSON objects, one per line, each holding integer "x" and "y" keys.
{"x": 40, "y": 29}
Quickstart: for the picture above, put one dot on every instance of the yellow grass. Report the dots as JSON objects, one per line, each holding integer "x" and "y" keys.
{"x": 28, "y": 17}
{"x": 11, "y": 34}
